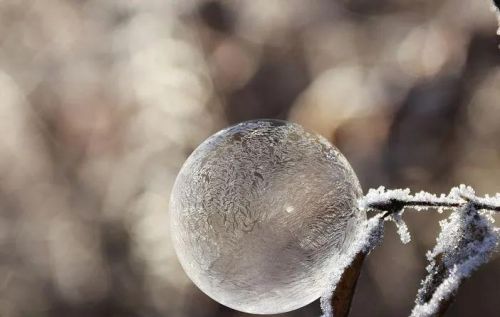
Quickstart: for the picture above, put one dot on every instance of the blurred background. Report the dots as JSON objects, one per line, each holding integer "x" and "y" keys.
{"x": 102, "y": 101}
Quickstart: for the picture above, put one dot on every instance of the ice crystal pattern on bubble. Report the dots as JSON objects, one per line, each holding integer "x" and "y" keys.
{"x": 261, "y": 213}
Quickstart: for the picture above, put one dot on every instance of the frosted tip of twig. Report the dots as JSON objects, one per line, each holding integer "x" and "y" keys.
{"x": 404, "y": 233}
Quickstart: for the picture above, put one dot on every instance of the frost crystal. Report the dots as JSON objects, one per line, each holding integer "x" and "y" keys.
{"x": 368, "y": 237}
{"x": 495, "y": 7}
{"x": 261, "y": 213}
{"x": 467, "y": 240}
{"x": 381, "y": 195}
{"x": 403, "y": 232}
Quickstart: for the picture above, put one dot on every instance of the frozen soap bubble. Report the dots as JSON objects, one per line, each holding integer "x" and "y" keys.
{"x": 261, "y": 213}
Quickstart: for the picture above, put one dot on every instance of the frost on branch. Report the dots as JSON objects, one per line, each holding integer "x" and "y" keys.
{"x": 403, "y": 232}
{"x": 396, "y": 200}
{"x": 467, "y": 240}
{"x": 495, "y": 6}
{"x": 380, "y": 195}
{"x": 383, "y": 197}
{"x": 369, "y": 237}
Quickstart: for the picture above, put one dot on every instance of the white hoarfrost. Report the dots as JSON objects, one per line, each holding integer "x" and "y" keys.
{"x": 403, "y": 232}
{"x": 368, "y": 238}
{"x": 381, "y": 195}
{"x": 497, "y": 12}
{"x": 467, "y": 240}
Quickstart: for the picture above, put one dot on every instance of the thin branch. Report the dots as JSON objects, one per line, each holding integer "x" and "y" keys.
{"x": 395, "y": 201}
{"x": 344, "y": 292}
{"x": 336, "y": 300}
{"x": 496, "y": 7}
{"x": 433, "y": 300}
{"x": 467, "y": 239}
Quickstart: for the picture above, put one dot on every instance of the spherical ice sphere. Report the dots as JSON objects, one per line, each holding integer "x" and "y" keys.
{"x": 260, "y": 213}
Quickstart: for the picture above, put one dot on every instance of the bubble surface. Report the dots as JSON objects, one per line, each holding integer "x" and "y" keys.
{"x": 260, "y": 213}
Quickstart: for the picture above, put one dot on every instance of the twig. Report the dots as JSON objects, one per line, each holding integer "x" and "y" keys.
{"x": 336, "y": 300}
{"x": 344, "y": 292}
{"x": 395, "y": 201}
{"x": 467, "y": 241}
